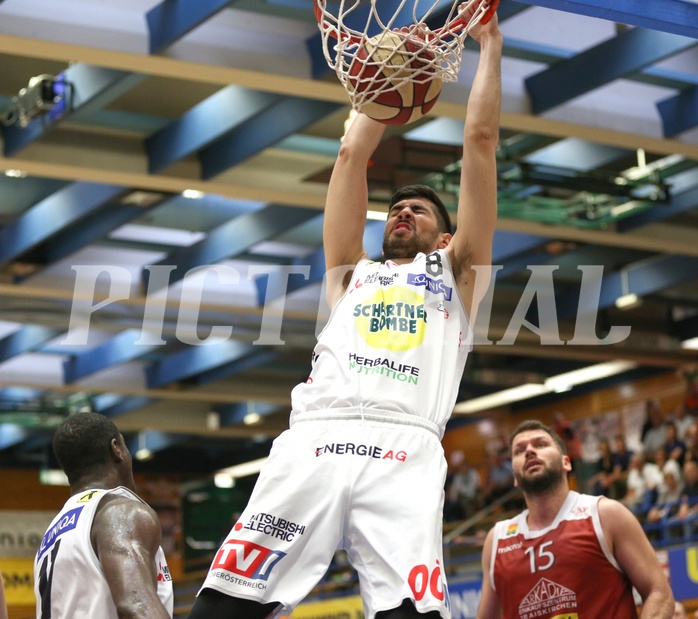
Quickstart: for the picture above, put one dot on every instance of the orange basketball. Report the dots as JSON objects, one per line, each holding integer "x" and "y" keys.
{"x": 395, "y": 77}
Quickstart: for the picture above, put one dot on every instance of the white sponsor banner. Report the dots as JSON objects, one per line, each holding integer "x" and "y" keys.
{"x": 21, "y": 531}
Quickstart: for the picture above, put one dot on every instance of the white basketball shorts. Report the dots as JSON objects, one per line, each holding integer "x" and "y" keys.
{"x": 372, "y": 488}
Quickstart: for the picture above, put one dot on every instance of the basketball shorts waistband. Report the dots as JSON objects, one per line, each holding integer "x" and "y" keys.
{"x": 376, "y": 415}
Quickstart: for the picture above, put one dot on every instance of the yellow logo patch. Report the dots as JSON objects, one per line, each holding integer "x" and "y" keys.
{"x": 393, "y": 319}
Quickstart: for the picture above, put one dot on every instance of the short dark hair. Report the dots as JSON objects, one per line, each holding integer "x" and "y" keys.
{"x": 83, "y": 442}
{"x": 534, "y": 424}
{"x": 424, "y": 191}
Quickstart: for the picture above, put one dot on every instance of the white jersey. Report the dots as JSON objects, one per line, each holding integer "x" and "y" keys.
{"x": 68, "y": 578}
{"x": 397, "y": 341}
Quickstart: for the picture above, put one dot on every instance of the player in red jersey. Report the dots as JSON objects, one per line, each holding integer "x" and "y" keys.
{"x": 568, "y": 555}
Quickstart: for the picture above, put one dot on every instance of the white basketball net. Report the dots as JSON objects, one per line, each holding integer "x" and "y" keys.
{"x": 438, "y": 52}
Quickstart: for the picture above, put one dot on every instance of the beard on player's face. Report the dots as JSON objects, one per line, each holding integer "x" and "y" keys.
{"x": 396, "y": 247}
{"x": 540, "y": 482}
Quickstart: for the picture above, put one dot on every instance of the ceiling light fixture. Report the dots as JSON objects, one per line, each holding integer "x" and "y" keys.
{"x": 223, "y": 480}
{"x": 143, "y": 453}
{"x": 53, "y": 477}
{"x": 589, "y": 373}
{"x": 500, "y": 398}
{"x": 641, "y": 159}
{"x": 627, "y": 300}
{"x": 377, "y": 215}
{"x": 245, "y": 469}
{"x": 690, "y": 344}
{"x": 143, "y": 198}
{"x": 251, "y": 418}
{"x": 193, "y": 194}
{"x": 554, "y": 384}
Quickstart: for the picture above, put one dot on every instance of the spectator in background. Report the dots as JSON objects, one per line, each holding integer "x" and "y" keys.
{"x": 682, "y": 420}
{"x": 653, "y": 431}
{"x": 636, "y": 494}
{"x": 668, "y": 499}
{"x": 573, "y": 443}
{"x": 463, "y": 489}
{"x": 679, "y": 611}
{"x": 500, "y": 477}
{"x": 653, "y": 478}
{"x": 621, "y": 465}
{"x": 666, "y": 464}
{"x": 601, "y": 483}
{"x": 690, "y": 398}
{"x": 691, "y": 441}
{"x": 674, "y": 447}
{"x": 690, "y": 438}
{"x": 689, "y": 496}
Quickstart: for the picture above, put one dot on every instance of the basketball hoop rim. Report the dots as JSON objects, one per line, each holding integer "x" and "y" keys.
{"x": 453, "y": 27}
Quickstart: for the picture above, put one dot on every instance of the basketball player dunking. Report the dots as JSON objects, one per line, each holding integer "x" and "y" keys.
{"x": 362, "y": 467}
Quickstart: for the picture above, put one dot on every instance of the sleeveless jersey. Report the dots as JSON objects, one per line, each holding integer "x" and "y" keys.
{"x": 396, "y": 341}
{"x": 565, "y": 571}
{"x": 68, "y": 578}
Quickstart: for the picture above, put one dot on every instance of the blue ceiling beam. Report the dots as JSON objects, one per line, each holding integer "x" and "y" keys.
{"x": 20, "y": 193}
{"x": 518, "y": 263}
{"x": 193, "y": 360}
{"x": 170, "y": 20}
{"x": 205, "y": 123}
{"x": 87, "y": 89}
{"x": 674, "y": 16}
{"x": 12, "y": 434}
{"x": 506, "y": 244}
{"x": 679, "y": 113}
{"x": 125, "y": 405}
{"x": 52, "y": 215}
{"x": 261, "y": 355}
{"x": 286, "y": 117}
{"x": 119, "y": 349}
{"x": 641, "y": 278}
{"x": 575, "y": 154}
{"x": 26, "y": 339}
{"x": 93, "y": 227}
{"x": 679, "y": 203}
{"x": 234, "y": 237}
{"x": 616, "y": 58}
{"x": 547, "y": 54}
{"x": 275, "y": 285}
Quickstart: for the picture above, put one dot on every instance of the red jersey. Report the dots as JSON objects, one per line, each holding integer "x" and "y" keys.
{"x": 565, "y": 571}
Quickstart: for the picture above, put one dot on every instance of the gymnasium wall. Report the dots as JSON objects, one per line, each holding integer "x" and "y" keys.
{"x": 492, "y": 428}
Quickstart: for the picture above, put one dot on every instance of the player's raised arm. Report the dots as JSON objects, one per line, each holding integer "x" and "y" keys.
{"x": 477, "y": 204}
{"x": 347, "y": 201}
